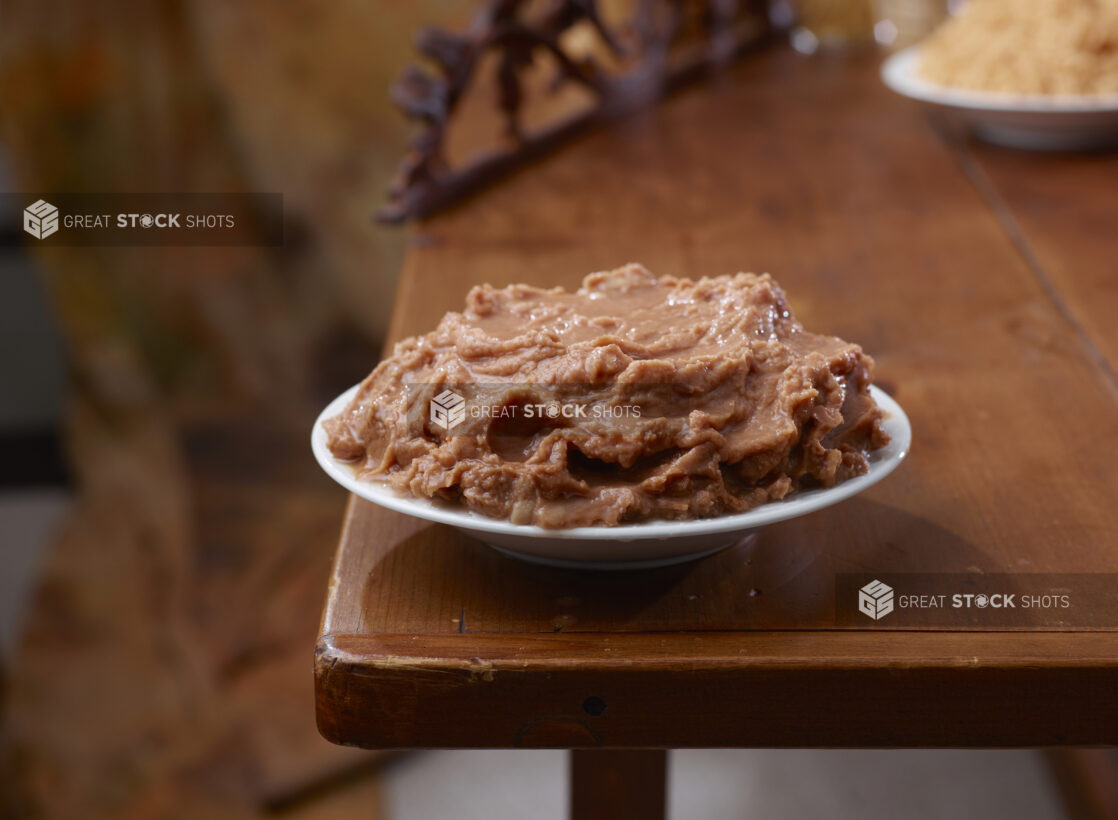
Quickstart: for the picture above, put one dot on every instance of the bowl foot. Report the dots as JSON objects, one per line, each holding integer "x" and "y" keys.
{"x": 655, "y": 563}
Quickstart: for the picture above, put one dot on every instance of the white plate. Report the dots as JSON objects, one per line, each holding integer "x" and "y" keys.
{"x": 631, "y": 546}
{"x": 1035, "y": 122}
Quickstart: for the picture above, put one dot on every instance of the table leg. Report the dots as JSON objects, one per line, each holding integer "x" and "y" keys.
{"x": 1088, "y": 781}
{"x": 619, "y": 784}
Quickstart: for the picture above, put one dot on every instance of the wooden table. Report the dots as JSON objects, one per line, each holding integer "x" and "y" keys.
{"x": 984, "y": 282}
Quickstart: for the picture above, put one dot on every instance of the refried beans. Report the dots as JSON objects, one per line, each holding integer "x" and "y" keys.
{"x": 634, "y": 398}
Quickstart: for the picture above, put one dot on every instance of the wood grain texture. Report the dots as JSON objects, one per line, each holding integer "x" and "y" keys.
{"x": 681, "y": 690}
{"x": 1062, "y": 208}
{"x": 874, "y": 222}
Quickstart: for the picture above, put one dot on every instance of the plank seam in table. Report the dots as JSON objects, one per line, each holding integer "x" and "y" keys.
{"x": 986, "y": 188}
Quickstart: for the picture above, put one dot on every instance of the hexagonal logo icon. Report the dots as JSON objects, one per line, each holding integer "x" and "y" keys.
{"x": 875, "y": 599}
{"x": 40, "y": 219}
{"x": 448, "y": 409}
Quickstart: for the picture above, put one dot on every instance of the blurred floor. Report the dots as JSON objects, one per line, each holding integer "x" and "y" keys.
{"x": 721, "y": 784}
{"x": 28, "y": 518}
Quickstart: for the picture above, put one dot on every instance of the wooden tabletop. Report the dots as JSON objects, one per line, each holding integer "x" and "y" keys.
{"x": 983, "y": 281}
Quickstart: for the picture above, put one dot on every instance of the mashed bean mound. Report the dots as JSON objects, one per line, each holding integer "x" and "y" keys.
{"x": 633, "y": 398}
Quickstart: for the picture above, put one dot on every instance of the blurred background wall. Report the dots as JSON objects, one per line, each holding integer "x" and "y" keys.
{"x": 162, "y": 586}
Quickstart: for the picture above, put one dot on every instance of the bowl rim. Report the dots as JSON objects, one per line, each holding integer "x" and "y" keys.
{"x": 898, "y": 72}
{"x": 882, "y": 462}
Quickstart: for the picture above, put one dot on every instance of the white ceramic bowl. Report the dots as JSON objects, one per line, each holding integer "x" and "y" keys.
{"x": 631, "y": 546}
{"x": 1034, "y": 122}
